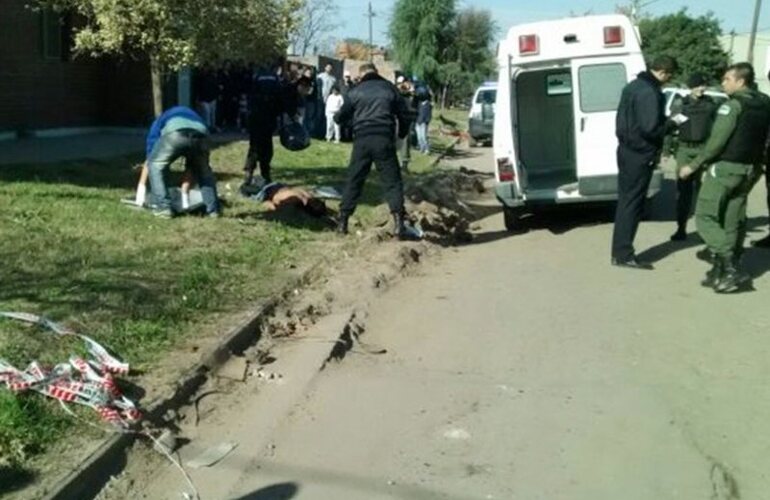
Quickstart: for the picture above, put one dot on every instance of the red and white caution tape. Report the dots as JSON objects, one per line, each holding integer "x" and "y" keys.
{"x": 79, "y": 381}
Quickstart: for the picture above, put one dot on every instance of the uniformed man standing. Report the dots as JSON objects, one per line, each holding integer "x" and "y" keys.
{"x": 698, "y": 110}
{"x": 736, "y": 149}
{"x": 376, "y": 110}
{"x": 267, "y": 99}
{"x": 640, "y": 127}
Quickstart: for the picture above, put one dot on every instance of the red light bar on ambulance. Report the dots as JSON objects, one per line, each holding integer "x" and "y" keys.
{"x": 613, "y": 36}
{"x": 529, "y": 45}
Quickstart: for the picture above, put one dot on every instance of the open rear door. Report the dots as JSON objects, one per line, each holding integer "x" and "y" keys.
{"x": 598, "y": 85}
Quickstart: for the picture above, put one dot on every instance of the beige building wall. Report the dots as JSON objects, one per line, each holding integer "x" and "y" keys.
{"x": 737, "y": 47}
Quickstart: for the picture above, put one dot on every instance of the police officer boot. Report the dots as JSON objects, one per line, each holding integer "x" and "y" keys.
{"x": 714, "y": 274}
{"x": 400, "y": 230}
{"x": 342, "y": 224}
{"x": 732, "y": 278}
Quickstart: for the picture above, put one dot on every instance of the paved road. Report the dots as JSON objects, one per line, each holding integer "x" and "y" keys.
{"x": 525, "y": 367}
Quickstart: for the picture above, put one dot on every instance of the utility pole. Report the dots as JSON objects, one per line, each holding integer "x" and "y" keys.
{"x": 370, "y": 14}
{"x": 753, "y": 38}
{"x": 732, "y": 45}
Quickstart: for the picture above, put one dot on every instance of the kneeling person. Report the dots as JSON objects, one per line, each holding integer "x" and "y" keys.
{"x": 179, "y": 132}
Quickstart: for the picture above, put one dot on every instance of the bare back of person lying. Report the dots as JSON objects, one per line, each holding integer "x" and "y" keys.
{"x": 276, "y": 195}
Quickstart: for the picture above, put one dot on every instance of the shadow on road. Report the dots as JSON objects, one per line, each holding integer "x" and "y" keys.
{"x": 280, "y": 491}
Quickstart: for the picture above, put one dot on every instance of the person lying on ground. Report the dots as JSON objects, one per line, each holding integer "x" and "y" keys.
{"x": 276, "y": 195}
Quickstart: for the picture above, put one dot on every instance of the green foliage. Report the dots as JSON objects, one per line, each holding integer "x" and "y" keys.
{"x": 421, "y": 31}
{"x": 448, "y": 49}
{"x": 176, "y": 34}
{"x": 692, "y": 41}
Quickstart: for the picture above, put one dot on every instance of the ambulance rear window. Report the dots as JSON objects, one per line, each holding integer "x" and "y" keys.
{"x": 601, "y": 86}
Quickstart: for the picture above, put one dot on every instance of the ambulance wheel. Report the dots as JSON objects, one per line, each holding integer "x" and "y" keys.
{"x": 513, "y": 220}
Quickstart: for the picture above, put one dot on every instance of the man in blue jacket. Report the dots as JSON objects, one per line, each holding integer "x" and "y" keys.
{"x": 640, "y": 128}
{"x": 179, "y": 132}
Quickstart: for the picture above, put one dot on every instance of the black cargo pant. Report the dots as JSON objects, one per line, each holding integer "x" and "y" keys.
{"x": 634, "y": 175}
{"x": 380, "y": 150}
{"x": 261, "y": 129}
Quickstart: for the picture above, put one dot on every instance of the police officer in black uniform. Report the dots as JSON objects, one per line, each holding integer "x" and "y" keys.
{"x": 267, "y": 100}
{"x": 698, "y": 109}
{"x": 640, "y": 128}
{"x": 376, "y": 110}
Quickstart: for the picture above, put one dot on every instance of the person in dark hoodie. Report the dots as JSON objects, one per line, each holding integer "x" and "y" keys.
{"x": 376, "y": 111}
{"x": 640, "y": 127}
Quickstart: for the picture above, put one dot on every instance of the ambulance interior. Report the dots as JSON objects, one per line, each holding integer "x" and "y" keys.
{"x": 545, "y": 121}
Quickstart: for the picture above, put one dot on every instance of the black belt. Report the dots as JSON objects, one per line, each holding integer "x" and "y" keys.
{"x": 191, "y": 132}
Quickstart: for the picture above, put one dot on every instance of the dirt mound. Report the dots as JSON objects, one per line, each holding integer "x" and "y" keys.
{"x": 434, "y": 201}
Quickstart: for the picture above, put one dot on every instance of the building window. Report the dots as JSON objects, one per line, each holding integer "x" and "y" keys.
{"x": 54, "y": 38}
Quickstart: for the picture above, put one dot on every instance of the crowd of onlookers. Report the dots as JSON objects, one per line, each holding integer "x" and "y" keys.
{"x": 221, "y": 97}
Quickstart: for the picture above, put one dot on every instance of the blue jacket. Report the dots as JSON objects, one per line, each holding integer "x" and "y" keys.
{"x": 182, "y": 116}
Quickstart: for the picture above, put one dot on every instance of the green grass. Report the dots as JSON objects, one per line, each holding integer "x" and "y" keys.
{"x": 72, "y": 252}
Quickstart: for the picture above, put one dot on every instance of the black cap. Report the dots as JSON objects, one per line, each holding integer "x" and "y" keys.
{"x": 696, "y": 80}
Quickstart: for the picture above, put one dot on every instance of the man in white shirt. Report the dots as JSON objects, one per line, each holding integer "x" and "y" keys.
{"x": 333, "y": 104}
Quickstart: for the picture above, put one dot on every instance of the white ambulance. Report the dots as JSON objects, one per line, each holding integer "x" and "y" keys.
{"x": 558, "y": 90}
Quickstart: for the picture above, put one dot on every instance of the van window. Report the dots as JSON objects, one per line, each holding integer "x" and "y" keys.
{"x": 558, "y": 84}
{"x": 486, "y": 96}
{"x": 601, "y": 86}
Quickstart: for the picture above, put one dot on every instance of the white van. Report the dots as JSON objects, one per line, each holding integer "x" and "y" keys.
{"x": 481, "y": 117}
{"x": 558, "y": 90}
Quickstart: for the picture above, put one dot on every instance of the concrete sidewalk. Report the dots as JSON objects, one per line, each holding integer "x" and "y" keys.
{"x": 76, "y": 147}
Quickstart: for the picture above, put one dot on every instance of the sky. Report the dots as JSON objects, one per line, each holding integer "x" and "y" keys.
{"x": 735, "y": 14}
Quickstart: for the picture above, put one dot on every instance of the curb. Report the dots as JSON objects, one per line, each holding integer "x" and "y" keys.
{"x": 93, "y": 473}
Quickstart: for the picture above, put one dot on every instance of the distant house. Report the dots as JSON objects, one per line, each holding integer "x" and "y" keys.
{"x": 43, "y": 86}
{"x": 388, "y": 69}
{"x": 737, "y": 47}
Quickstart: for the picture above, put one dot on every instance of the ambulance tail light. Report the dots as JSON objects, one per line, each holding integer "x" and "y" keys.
{"x": 505, "y": 170}
{"x": 614, "y": 36}
{"x": 529, "y": 45}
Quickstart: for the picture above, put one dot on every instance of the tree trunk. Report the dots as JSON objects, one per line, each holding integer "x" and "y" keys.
{"x": 443, "y": 96}
{"x": 157, "y": 87}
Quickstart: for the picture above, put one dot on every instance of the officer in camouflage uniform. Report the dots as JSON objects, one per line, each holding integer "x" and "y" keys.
{"x": 736, "y": 150}
{"x": 699, "y": 110}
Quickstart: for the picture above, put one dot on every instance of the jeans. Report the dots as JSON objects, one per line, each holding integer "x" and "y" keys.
{"x": 193, "y": 146}
{"x": 209, "y": 113}
{"x": 422, "y": 137}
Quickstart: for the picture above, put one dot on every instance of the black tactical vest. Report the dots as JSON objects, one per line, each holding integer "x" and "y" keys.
{"x": 747, "y": 143}
{"x": 701, "y": 117}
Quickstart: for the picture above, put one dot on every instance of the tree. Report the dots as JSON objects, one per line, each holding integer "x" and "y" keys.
{"x": 470, "y": 56}
{"x": 449, "y": 50}
{"x": 692, "y": 41}
{"x": 175, "y": 34}
{"x": 315, "y": 19}
{"x": 421, "y": 32}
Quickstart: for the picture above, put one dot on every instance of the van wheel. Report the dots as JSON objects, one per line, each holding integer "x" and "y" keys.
{"x": 513, "y": 220}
